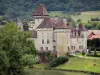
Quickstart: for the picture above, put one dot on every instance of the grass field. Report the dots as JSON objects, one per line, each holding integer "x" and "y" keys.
{"x": 52, "y": 72}
{"x": 85, "y": 16}
{"x": 76, "y": 63}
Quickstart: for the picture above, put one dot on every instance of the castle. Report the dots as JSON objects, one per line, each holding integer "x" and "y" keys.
{"x": 56, "y": 35}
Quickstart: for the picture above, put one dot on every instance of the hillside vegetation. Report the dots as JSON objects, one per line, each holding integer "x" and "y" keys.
{"x": 12, "y": 9}
{"x": 84, "y": 16}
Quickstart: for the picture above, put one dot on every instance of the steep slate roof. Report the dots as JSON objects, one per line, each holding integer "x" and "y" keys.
{"x": 51, "y": 23}
{"x": 41, "y": 11}
{"x": 46, "y": 23}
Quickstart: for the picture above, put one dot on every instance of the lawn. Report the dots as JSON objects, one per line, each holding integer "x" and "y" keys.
{"x": 85, "y": 16}
{"x": 52, "y": 72}
{"x": 76, "y": 63}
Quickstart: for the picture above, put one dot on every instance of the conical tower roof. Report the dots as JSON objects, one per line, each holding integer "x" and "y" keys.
{"x": 41, "y": 11}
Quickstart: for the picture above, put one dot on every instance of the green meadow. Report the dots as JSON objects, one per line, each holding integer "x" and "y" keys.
{"x": 85, "y": 64}
{"x": 85, "y": 16}
{"x": 76, "y": 63}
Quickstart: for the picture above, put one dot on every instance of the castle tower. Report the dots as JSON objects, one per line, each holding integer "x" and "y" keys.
{"x": 84, "y": 32}
{"x": 38, "y": 16}
{"x": 62, "y": 38}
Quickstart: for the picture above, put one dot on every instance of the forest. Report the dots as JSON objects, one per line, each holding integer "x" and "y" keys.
{"x": 24, "y": 8}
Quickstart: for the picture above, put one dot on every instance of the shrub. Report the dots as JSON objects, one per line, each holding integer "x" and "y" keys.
{"x": 58, "y": 61}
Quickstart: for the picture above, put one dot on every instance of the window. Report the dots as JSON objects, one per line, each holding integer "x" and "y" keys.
{"x": 42, "y": 41}
{"x": 79, "y": 33}
{"x": 54, "y": 49}
{"x": 41, "y": 48}
{"x": 75, "y": 33}
{"x": 72, "y": 47}
{"x": 80, "y": 47}
{"x": 48, "y": 41}
{"x": 68, "y": 48}
{"x": 46, "y": 48}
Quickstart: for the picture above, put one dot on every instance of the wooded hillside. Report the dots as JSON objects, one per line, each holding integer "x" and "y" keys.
{"x": 25, "y": 8}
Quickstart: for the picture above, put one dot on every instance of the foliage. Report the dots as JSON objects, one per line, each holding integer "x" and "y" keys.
{"x": 94, "y": 44}
{"x": 0, "y": 19}
{"x": 79, "y": 21}
{"x": 4, "y": 63}
{"x": 15, "y": 45}
{"x": 24, "y": 8}
{"x": 93, "y": 25}
{"x": 58, "y": 61}
{"x": 28, "y": 60}
{"x": 95, "y": 53}
{"x": 83, "y": 52}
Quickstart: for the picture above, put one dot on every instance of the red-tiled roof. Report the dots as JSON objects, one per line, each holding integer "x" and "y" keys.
{"x": 94, "y": 31}
{"x": 41, "y": 11}
{"x": 93, "y": 34}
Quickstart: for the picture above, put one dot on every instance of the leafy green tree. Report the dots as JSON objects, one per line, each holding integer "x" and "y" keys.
{"x": 4, "y": 63}
{"x": 0, "y": 18}
{"x": 28, "y": 60}
{"x": 15, "y": 44}
{"x": 79, "y": 21}
{"x": 83, "y": 53}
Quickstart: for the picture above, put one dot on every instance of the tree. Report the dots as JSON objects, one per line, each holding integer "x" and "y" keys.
{"x": 15, "y": 45}
{"x": 89, "y": 44}
{"x": 83, "y": 53}
{"x": 4, "y": 64}
{"x": 28, "y": 60}
{"x": 95, "y": 53}
{"x": 79, "y": 21}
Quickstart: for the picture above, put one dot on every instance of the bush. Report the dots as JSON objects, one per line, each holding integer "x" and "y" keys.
{"x": 58, "y": 61}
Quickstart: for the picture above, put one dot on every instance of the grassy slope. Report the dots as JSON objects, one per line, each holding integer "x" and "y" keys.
{"x": 52, "y": 72}
{"x": 85, "y": 16}
{"x": 76, "y": 63}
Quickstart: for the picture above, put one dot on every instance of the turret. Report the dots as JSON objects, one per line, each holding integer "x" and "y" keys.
{"x": 38, "y": 16}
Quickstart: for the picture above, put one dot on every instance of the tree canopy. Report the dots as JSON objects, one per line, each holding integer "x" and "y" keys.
{"x": 13, "y": 47}
{"x": 24, "y": 8}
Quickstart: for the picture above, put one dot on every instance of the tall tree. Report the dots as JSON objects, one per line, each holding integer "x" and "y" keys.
{"x": 15, "y": 45}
